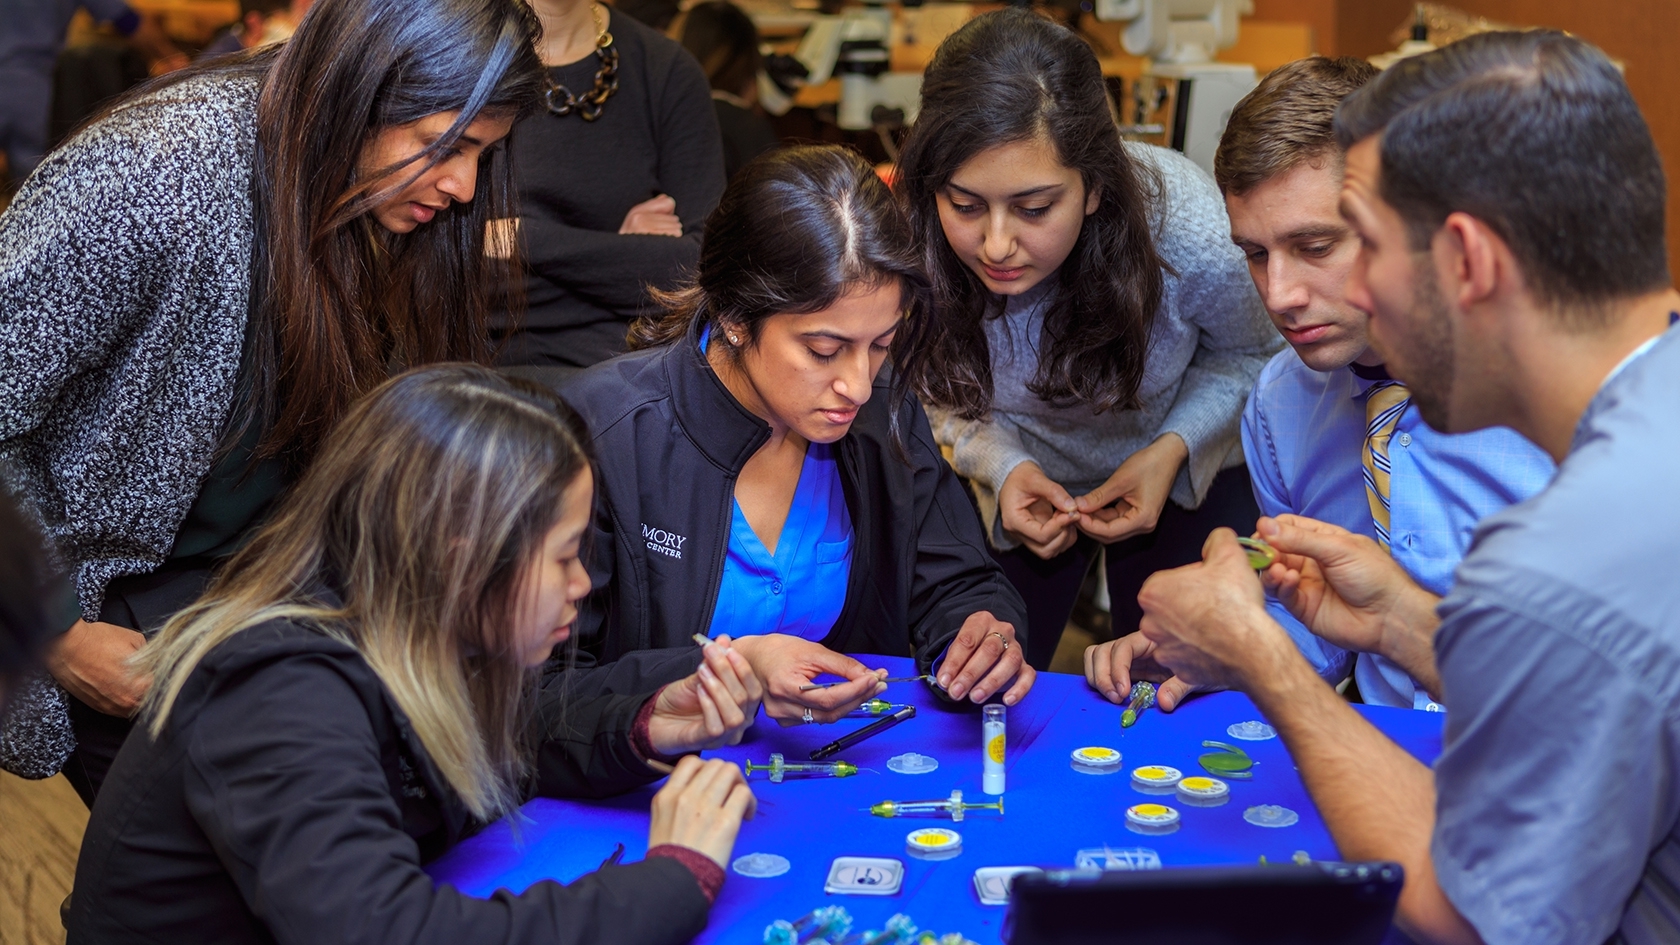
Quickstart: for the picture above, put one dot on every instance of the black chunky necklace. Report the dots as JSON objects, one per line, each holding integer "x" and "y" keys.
{"x": 587, "y": 106}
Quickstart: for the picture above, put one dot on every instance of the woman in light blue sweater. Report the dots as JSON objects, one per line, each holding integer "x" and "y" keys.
{"x": 1095, "y": 333}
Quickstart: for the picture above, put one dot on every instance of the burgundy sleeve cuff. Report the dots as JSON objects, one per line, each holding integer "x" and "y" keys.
{"x": 706, "y": 872}
{"x": 641, "y": 741}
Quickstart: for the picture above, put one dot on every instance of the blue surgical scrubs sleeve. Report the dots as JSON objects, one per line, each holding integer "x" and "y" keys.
{"x": 1556, "y": 784}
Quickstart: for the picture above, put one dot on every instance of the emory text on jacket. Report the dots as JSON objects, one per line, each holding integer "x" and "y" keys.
{"x": 664, "y": 542}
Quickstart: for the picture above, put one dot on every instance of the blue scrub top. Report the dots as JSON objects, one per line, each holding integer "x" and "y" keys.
{"x": 801, "y": 589}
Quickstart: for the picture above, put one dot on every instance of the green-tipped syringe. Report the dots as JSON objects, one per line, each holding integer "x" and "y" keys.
{"x": 874, "y": 708}
{"x": 779, "y": 768}
{"x": 952, "y": 805}
{"x": 1143, "y": 696}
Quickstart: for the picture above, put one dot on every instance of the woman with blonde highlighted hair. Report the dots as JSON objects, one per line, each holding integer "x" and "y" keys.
{"x": 358, "y": 690}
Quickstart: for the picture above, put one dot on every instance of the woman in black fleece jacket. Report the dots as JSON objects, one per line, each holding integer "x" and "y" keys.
{"x": 356, "y": 692}
{"x": 763, "y": 387}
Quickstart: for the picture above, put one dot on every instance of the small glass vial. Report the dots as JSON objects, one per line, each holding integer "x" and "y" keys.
{"x": 992, "y": 735}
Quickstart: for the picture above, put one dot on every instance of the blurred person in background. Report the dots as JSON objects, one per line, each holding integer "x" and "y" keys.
{"x": 261, "y": 23}
{"x": 32, "y": 34}
{"x": 725, "y": 41}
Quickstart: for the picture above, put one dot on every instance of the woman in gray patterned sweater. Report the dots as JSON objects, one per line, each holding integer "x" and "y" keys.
{"x": 1095, "y": 333}
{"x": 195, "y": 288}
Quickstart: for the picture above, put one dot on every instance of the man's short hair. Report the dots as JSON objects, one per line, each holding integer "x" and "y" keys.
{"x": 1536, "y": 135}
{"x": 1288, "y": 118}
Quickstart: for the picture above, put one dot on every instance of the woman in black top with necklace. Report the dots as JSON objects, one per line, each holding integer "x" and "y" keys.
{"x": 615, "y": 177}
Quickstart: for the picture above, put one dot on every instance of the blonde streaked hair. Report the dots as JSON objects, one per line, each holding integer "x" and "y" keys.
{"x": 422, "y": 514}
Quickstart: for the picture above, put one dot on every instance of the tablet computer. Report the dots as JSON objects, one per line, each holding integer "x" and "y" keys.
{"x": 1314, "y": 904}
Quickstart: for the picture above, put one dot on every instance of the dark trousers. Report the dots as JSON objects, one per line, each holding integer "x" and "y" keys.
{"x": 1051, "y": 588}
{"x": 143, "y": 602}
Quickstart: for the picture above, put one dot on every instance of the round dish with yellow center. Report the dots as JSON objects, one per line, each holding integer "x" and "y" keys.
{"x": 1156, "y": 778}
{"x": 1203, "y": 791}
{"x": 1152, "y": 816}
{"x": 934, "y": 842}
{"x": 1096, "y": 759}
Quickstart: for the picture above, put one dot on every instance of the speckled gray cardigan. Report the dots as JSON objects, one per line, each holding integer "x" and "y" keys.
{"x": 125, "y": 276}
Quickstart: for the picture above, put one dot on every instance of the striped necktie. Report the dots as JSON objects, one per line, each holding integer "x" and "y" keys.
{"x": 1384, "y": 404}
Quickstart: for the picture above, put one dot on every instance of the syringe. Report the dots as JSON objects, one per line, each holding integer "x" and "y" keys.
{"x": 953, "y": 805}
{"x": 779, "y": 768}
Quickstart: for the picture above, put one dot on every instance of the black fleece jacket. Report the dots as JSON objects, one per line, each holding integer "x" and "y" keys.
{"x": 671, "y": 440}
{"x": 288, "y": 800}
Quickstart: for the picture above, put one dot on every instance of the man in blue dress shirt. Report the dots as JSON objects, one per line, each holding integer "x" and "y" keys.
{"x": 1509, "y": 202}
{"x": 1307, "y": 428}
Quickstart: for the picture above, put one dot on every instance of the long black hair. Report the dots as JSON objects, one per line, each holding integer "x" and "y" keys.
{"x": 1002, "y": 78}
{"x": 796, "y": 229}
{"x": 338, "y": 301}
{"x": 343, "y": 299}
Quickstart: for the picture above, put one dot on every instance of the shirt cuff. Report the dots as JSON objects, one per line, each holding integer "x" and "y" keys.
{"x": 642, "y": 741}
{"x": 706, "y": 872}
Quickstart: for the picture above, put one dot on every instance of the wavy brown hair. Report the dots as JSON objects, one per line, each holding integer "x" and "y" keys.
{"x": 421, "y": 515}
{"x": 1002, "y": 78}
{"x": 1288, "y": 118}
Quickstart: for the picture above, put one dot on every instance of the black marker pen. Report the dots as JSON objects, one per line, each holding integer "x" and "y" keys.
{"x": 868, "y": 731}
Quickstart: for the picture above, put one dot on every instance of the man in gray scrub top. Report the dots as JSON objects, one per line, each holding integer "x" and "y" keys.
{"x": 1509, "y": 203}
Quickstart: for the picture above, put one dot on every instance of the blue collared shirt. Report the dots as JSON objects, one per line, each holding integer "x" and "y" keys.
{"x": 1303, "y": 433}
{"x": 1558, "y": 789}
{"x": 800, "y": 589}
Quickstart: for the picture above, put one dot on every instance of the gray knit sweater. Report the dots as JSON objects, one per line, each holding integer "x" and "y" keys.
{"x": 125, "y": 273}
{"x": 1210, "y": 339}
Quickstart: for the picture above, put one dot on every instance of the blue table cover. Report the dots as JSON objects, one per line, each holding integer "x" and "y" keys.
{"x": 1051, "y": 810}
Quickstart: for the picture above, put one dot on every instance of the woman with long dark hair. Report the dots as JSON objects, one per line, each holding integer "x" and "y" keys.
{"x": 359, "y": 689}
{"x": 762, "y": 476}
{"x": 1093, "y": 332}
{"x": 195, "y": 288}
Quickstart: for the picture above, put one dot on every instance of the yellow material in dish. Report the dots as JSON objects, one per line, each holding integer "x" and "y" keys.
{"x": 1158, "y": 775}
{"x": 1152, "y": 817}
{"x": 933, "y": 840}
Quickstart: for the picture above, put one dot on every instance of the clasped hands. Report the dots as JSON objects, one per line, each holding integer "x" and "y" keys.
{"x": 1040, "y": 514}
{"x": 1205, "y": 625}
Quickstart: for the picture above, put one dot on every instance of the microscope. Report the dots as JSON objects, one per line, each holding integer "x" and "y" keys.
{"x": 1184, "y": 91}
{"x": 855, "y": 46}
